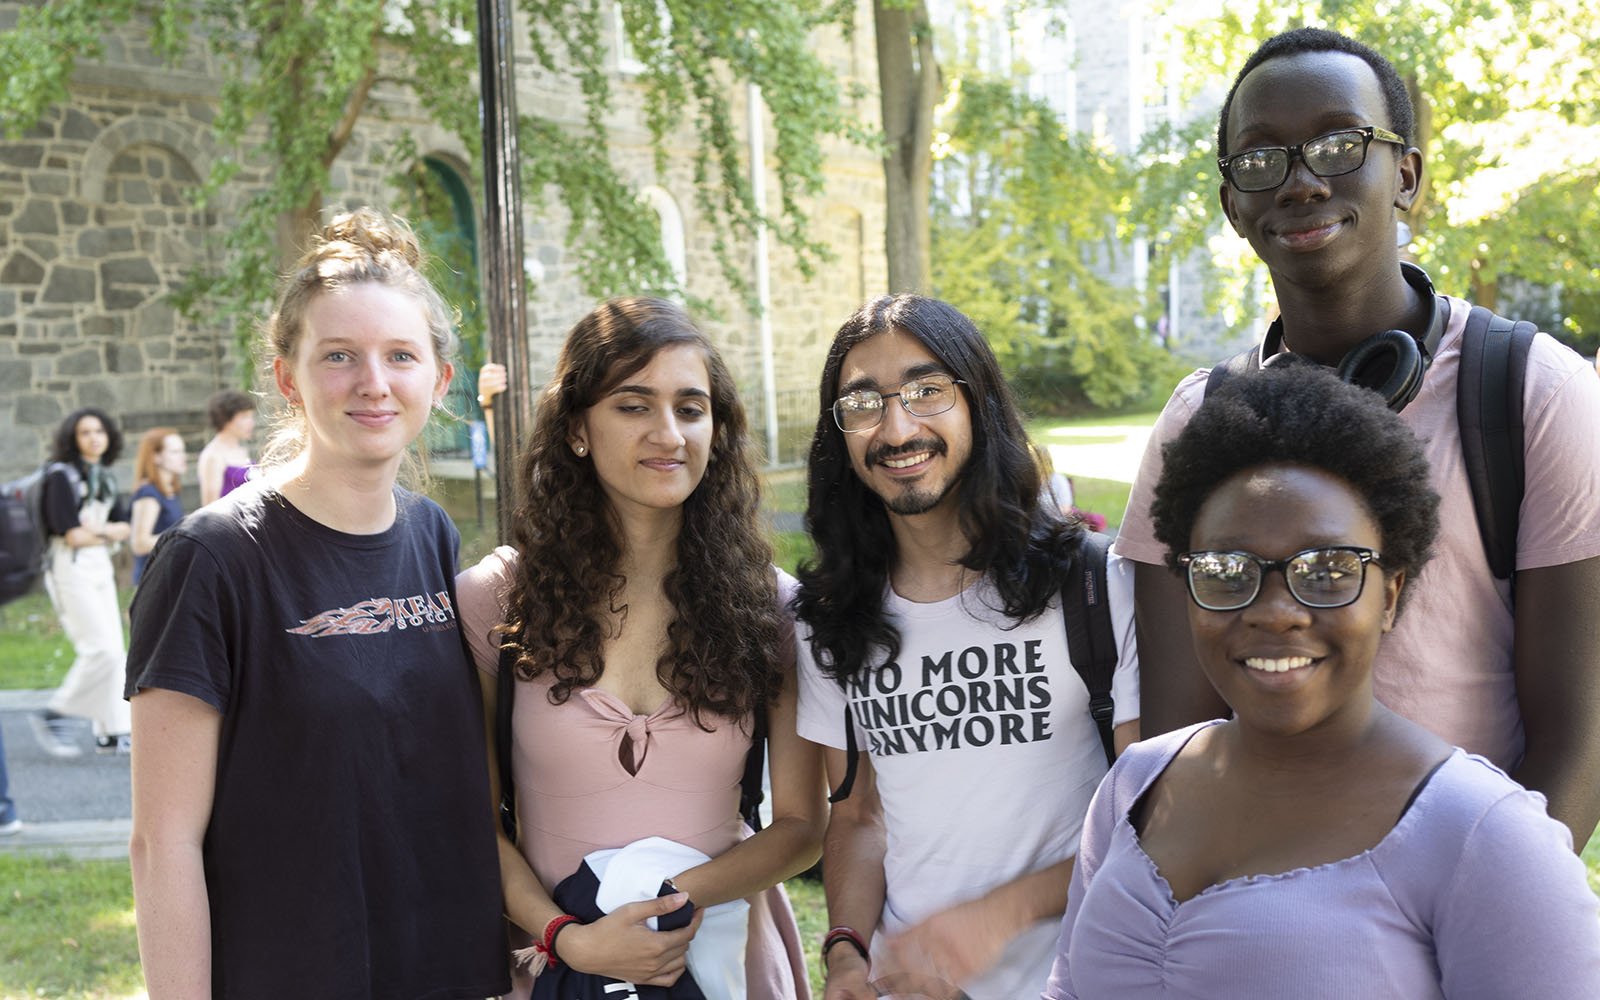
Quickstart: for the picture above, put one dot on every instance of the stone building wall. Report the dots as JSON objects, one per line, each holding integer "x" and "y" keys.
{"x": 96, "y": 230}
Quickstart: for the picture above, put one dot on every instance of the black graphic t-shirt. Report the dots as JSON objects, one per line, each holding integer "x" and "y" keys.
{"x": 350, "y": 851}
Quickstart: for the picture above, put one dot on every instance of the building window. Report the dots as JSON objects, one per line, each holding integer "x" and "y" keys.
{"x": 672, "y": 235}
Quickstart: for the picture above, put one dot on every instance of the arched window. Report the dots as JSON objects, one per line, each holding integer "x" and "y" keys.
{"x": 672, "y": 236}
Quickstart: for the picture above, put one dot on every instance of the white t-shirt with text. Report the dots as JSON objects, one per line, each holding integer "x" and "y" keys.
{"x": 984, "y": 752}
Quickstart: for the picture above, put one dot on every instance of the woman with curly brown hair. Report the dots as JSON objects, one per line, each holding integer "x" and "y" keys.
{"x": 645, "y": 621}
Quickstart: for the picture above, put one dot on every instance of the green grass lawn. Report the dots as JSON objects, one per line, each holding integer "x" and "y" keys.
{"x": 66, "y": 929}
{"x": 34, "y": 654}
{"x": 1102, "y": 496}
{"x": 1040, "y": 428}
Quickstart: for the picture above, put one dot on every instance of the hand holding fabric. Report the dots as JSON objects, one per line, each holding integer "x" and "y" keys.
{"x": 621, "y": 944}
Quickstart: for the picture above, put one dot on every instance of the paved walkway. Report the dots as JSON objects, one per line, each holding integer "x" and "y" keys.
{"x": 77, "y": 807}
{"x": 1105, "y": 451}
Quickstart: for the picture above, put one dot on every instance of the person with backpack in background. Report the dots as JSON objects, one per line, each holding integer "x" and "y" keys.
{"x": 938, "y": 667}
{"x": 224, "y": 463}
{"x": 1315, "y": 148}
{"x": 158, "y": 468}
{"x": 85, "y": 518}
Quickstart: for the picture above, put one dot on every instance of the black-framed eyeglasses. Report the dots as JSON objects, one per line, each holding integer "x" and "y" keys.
{"x": 1330, "y": 155}
{"x": 1330, "y": 577}
{"x": 927, "y": 396}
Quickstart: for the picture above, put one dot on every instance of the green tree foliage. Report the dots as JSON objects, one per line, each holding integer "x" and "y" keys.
{"x": 1022, "y": 234}
{"x": 298, "y": 79}
{"x": 1508, "y": 111}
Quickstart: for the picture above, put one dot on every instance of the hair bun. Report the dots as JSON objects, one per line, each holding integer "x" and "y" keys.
{"x": 369, "y": 233}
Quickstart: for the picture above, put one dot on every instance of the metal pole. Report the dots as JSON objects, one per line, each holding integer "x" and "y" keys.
{"x": 503, "y": 282}
{"x": 758, "y": 194}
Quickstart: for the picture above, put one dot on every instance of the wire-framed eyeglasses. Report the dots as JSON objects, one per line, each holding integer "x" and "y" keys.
{"x": 926, "y": 396}
{"x": 1266, "y": 167}
{"x": 1330, "y": 577}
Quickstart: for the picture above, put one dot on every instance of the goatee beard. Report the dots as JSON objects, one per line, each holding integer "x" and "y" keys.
{"x": 916, "y": 501}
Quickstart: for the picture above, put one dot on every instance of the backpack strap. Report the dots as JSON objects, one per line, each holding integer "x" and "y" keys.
{"x": 1091, "y": 639}
{"x": 1494, "y": 365}
{"x": 1243, "y": 363}
{"x": 750, "y": 792}
{"x": 852, "y": 754}
{"x": 505, "y": 691}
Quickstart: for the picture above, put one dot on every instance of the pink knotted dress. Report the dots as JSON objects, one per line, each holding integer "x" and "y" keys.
{"x": 574, "y": 796}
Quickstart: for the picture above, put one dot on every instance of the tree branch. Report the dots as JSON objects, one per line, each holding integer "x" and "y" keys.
{"x": 353, "y": 107}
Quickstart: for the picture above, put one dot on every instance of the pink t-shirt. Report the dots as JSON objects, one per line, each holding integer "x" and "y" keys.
{"x": 1447, "y": 664}
{"x": 574, "y": 796}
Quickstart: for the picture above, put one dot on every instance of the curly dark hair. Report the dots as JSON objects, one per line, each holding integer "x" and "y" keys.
{"x": 225, "y": 404}
{"x": 1402, "y": 117}
{"x": 64, "y": 446}
{"x": 1021, "y": 543}
{"x": 722, "y": 653}
{"x": 1296, "y": 412}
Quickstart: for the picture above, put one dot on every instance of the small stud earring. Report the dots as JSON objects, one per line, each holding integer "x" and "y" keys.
{"x": 580, "y": 450}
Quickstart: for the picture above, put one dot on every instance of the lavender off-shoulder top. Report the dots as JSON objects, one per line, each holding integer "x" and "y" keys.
{"x": 1475, "y": 893}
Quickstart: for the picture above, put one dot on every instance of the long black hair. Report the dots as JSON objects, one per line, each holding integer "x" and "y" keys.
{"x": 1022, "y": 544}
{"x": 64, "y": 447}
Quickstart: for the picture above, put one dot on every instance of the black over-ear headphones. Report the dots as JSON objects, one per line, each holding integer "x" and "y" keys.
{"x": 1390, "y": 363}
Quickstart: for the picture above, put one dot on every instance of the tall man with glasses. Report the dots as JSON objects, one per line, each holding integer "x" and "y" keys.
{"x": 932, "y": 637}
{"x": 1315, "y": 149}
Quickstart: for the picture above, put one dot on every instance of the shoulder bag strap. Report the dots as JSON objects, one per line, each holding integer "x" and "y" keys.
{"x": 1494, "y": 362}
{"x": 1091, "y": 639}
{"x": 750, "y": 791}
{"x": 505, "y": 692}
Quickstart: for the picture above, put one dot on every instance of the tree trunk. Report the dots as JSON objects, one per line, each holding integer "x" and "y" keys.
{"x": 909, "y": 85}
{"x": 1485, "y": 292}
{"x": 1417, "y": 216}
{"x": 295, "y": 229}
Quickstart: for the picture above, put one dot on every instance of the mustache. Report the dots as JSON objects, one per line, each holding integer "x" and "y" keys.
{"x": 883, "y": 452}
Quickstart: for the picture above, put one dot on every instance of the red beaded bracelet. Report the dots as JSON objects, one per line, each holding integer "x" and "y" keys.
{"x": 554, "y": 927}
{"x": 837, "y": 934}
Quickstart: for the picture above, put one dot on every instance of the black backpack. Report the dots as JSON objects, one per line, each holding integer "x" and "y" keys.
{"x": 23, "y": 536}
{"x": 1091, "y": 644}
{"x": 750, "y": 791}
{"x": 1494, "y": 366}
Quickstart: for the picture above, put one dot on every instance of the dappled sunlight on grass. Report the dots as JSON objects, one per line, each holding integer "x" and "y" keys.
{"x": 67, "y": 929}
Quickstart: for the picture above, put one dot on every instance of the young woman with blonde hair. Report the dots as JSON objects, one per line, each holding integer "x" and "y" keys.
{"x": 308, "y": 808}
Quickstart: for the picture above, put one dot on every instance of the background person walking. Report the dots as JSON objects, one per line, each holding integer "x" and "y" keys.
{"x": 224, "y": 463}
{"x": 158, "y": 469}
{"x": 84, "y": 519}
